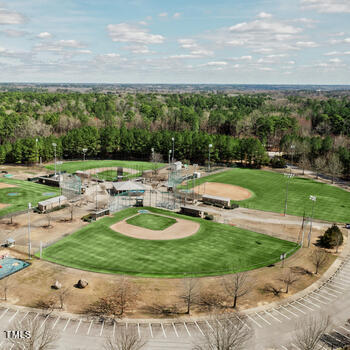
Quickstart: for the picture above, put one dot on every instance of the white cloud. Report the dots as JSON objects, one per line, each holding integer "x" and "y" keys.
{"x": 196, "y": 50}
{"x": 242, "y": 58}
{"x": 335, "y": 60}
{"x": 187, "y": 43}
{"x": 263, "y": 26}
{"x": 291, "y": 62}
{"x": 177, "y": 15}
{"x": 306, "y": 44}
{"x": 267, "y": 69}
{"x": 14, "y": 33}
{"x": 215, "y": 63}
{"x": 332, "y": 53}
{"x": 124, "y": 32}
{"x": 10, "y": 17}
{"x": 163, "y": 14}
{"x": 264, "y": 15}
{"x": 70, "y": 43}
{"x": 44, "y": 35}
{"x": 138, "y": 49}
{"x": 327, "y": 6}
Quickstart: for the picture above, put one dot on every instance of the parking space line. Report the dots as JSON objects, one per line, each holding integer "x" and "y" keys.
{"x": 332, "y": 336}
{"x": 4, "y": 313}
{"x": 282, "y": 314}
{"x": 44, "y": 321}
{"x": 13, "y": 316}
{"x": 163, "y": 330}
{"x": 310, "y": 302}
{"x": 36, "y": 316}
{"x": 337, "y": 287}
{"x": 24, "y": 317}
{"x": 347, "y": 330}
{"x": 12, "y": 346}
{"x": 275, "y": 318}
{"x": 308, "y": 307}
{"x": 199, "y": 327}
{"x": 175, "y": 329}
{"x": 341, "y": 283}
{"x": 295, "y": 346}
{"x": 103, "y": 323}
{"x": 219, "y": 323}
{"x": 332, "y": 295}
{"x": 291, "y": 312}
{"x": 333, "y": 290}
{"x": 263, "y": 319}
{"x": 344, "y": 278}
{"x": 284, "y": 348}
{"x": 320, "y": 301}
{"x": 66, "y": 325}
{"x": 303, "y": 312}
{"x": 138, "y": 330}
{"x": 56, "y": 322}
{"x": 209, "y": 325}
{"x": 243, "y": 322}
{"x": 187, "y": 330}
{"x": 89, "y": 329}
{"x": 150, "y": 329}
{"x": 341, "y": 334}
{"x": 254, "y": 321}
{"x": 76, "y": 330}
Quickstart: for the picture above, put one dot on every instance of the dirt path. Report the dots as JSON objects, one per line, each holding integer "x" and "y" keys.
{"x": 181, "y": 229}
{"x": 5, "y": 185}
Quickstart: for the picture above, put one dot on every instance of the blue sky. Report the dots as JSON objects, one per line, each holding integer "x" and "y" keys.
{"x": 149, "y": 41}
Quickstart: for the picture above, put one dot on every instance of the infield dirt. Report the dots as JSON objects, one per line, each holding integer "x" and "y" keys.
{"x": 233, "y": 192}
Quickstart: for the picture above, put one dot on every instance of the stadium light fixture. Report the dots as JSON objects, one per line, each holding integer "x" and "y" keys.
{"x": 210, "y": 146}
{"x": 29, "y": 241}
{"x": 36, "y": 149}
{"x": 84, "y": 151}
{"x": 172, "y": 156}
{"x": 169, "y": 156}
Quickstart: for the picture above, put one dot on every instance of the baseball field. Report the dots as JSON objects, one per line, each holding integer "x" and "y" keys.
{"x": 211, "y": 249}
{"x": 268, "y": 193}
{"x": 16, "y": 194}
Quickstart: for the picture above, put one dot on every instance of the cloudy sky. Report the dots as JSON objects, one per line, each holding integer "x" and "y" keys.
{"x": 183, "y": 41}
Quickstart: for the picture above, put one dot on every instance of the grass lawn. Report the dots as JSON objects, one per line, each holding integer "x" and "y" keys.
{"x": 26, "y": 192}
{"x": 151, "y": 221}
{"x": 71, "y": 167}
{"x": 215, "y": 249}
{"x": 269, "y": 193}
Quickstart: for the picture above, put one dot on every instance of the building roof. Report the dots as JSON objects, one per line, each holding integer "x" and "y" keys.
{"x": 128, "y": 186}
{"x": 53, "y": 200}
{"x": 216, "y": 197}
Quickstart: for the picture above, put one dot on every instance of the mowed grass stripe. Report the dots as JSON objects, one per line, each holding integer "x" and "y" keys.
{"x": 269, "y": 189}
{"x": 72, "y": 167}
{"x": 151, "y": 221}
{"x": 215, "y": 249}
{"x": 27, "y": 192}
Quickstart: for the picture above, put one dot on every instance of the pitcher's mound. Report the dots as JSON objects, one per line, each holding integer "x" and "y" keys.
{"x": 233, "y": 192}
{"x": 6, "y": 185}
{"x": 181, "y": 229}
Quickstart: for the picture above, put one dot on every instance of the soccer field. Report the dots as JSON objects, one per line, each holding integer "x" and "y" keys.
{"x": 71, "y": 167}
{"x": 269, "y": 193}
{"x": 17, "y": 197}
{"x": 215, "y": 249}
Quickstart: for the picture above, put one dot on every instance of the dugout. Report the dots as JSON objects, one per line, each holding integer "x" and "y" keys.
{"x": 127, "y": 188}
{"x": 221, "y": 202}
{"x": 192, "y": 211}
{"x": 52, "y": 203}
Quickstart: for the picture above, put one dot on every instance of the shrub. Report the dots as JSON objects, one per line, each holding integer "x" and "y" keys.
{"x": 333, "y": 237}
{"x": 278, "y": 162}
{"x": 209, "y": 217}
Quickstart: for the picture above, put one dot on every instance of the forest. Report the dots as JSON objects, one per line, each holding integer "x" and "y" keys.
{"x": 312, "y": 131}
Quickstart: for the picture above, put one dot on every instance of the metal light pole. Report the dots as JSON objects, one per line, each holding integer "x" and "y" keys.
{"x": 313, "y": 198}
{"x": 210, "y": 146}
{"x": 29, "y": 241}
{"x": 54, "y": 146}
{"x": 169, "y": 156}
{"x": 84, "y": 151}
{"x": 289, "y": 176}
{"x": 37, "y": 153}
{"x": 173, "y": 139}
{"x": 292, "y": 147}
{"x": 152, "y": 149}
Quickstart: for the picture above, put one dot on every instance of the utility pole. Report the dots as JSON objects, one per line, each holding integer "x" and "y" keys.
{"x": 313, "y": 198}
{"x": 289, "y": 176}
{"x": 54, "y": 146}
{"x": 29, "y": 241}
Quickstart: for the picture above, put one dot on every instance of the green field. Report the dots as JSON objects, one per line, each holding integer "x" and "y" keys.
{"x": 111, "y": 175}
{"x": 26, "y": 192}
{"x": 269, "y": 193}
{"x": 151, "y": 221}
{"x": 215, "y": 249}
{"x": 72, "y": 167}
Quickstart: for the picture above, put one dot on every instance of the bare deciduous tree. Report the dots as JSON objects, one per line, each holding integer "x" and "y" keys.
{"x": 48, "y": 305}
{"x": 189, "y": 293}
{"x": 5, "y": 285}
{"x": 63, "y": 293}
{"x": 319, "y": 165}
{"x": 319, "y": 258}
{"x": 334, "y": 166}
{"x": 126, "y": 339}
{"x": 270, "y": 288}
{"x": 41, "y": 335}
{"x": 236, "y": 286}
{"x": 304, "y": 163}
{"x": 288, "y": 278}
{"x": 211, "y": 300}
{"x": 309, "y": 332}
{"x": 227, "y": 334}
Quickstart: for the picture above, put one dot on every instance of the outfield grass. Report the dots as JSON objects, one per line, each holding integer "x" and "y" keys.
{"x": 72, "y": 167}
{"x": 111, "y": 175}
{"x": 269, "y": 193}
{"x": 215, "y": 249}
{"x": 151, "y": 221}
{"x": 27, "y": 192}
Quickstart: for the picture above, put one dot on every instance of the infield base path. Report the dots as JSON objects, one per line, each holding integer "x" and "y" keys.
{"x": 233, "y": 192}
{"x": 181, "y": 229}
